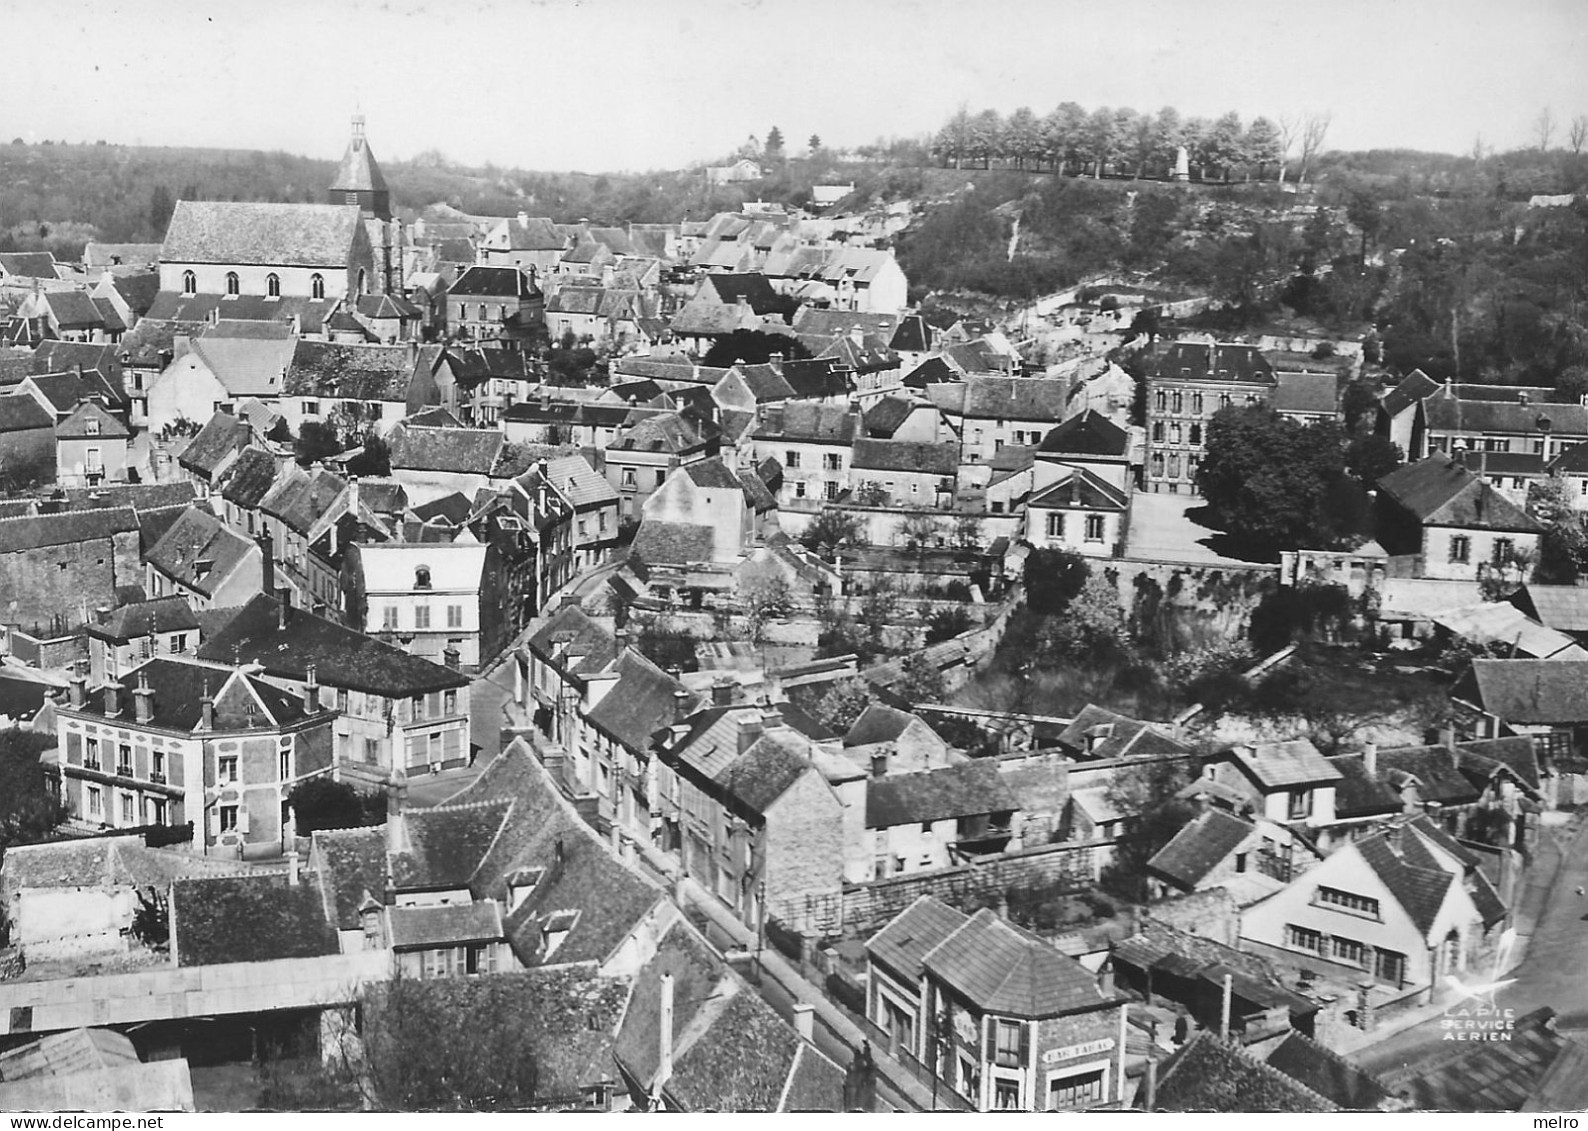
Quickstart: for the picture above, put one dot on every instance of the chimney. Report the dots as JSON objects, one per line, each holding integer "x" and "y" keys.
{"x": 749, "y": 732}
{"x": 805, "y": 1020}
{"x": 311, "y": 690}
{"x": 680, "y": 705}
{"x": 352, "y": 497}
{"x": 292, "y": 868}
{"x": 1150, "y": 1088}
{"x": 143, "y": 699}
{"x": 879, "y": 765}
{"x": 452, "y": 658}
{"x": 1224, "y": 1011}
{"x": 102, "y": 614}
{"x": 775, "y": 358}
{"x": 722, "y": 692}
{"x": 1370, "y": 759}
{"x": 283, "y": 607}
{"x": 207, "y": 709}
{"x": 664, "y": 1040}
{"x": 267, "y": 562}
{"x": 79, "y": 690}
{"x": 112, "y": 699}
{"x": 396, "y": 802}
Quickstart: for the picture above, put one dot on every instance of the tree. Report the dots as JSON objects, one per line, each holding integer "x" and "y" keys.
{"x": 753, "y": 347}
{"x": 953, "y": 142}
{"x": 1572, "y": 382}
{"x": 814, "y": 144}
{"x": 1544, "y": 128}
{"x": 1023, "y": 138}
{"x": 373, "y": 460}
{"x": 1166, "y": 136}
{"x": 1102, "y": 138}
{"x": 321, "y": 803}
{"x": 1273, "y": 481}
{"x": 316, "y": 440}
{"x": 774, "y": 144}
{"x": 1358, "y": 405}
{"x": 29, "y": 808}
{"x": 918, "y": 530}
{"x": 1563, "y": 550}
{"x": 1314, "y": 131}
{"x": 766, "y": 599}
{"x": 1370, "y": 457}
{"x": 1053, "y": 578}
{"x": 872, "y": 495}
{"x": 151, "y": 922}
{"x": 1223, "y": 146}
{"x": 1093, "y": 625}
{"x": 1147, "y": 796}
{"x": 1263, "y": 145}
{"x": 161, "y": 206}
{"x": 967, "y": 532}
{"x": 832, "y": 531}
{"x": 1063, "y": 134}
{"x": 946, "y": 622}
{"x": 1577, "y": 134}
{"x": 986, "y": 137}
{"x": 1289, "y": 131}
{"x": 921, "y": 681}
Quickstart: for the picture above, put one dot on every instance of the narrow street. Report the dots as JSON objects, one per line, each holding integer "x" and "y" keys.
{"x": 1552, "y": 972}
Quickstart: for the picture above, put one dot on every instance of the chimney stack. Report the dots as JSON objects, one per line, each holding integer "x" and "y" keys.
{"x": 311, "y": 690}
{"x": 722, "y": 692}
{"x": 283, "y": 606}
{"x": 1370, "y": 759}
{"x": 207, "y": 709}
{"x": 79, "y": 690}
{"x": 452, "y": 658}
{"x": 396, "y": 801}
{"x": 805, "y": 1020}
{"x": 664, "y": 1039}
{"x": 143, "y": 699}
{"x": 292, "y": 868}
{"x": 879, "y": 765}
{"x": 680, "y": 705}
{"x": 267, "y": 562}
{"x": 112, "y": 699}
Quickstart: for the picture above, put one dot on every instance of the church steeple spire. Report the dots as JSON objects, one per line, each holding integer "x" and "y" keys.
{"x": 358, "y": 179}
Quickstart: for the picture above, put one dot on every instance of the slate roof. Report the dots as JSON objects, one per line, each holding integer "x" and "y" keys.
{"x": 59, "y": 357}
{"x": 1223, "y": 361}
{"x": 470, "y": 451}
{"x": 73, "y": 310}
{"x": 753, "y": 288}
{"x": 422, "y": 928}
{"x": 912, "y": 935}
{"x": 1210, "y": 1075}
{"x": 815, "y": 378}
{"x": 1561, "y": 607}
{"x": 1419, "y": 890}
{"x": 1090, "y": 434}
{"x": 308, "y": 235}
{"x": 1526, "y": 692}
{"x": 1357, "y": 794}
{"x": 1434, "y": 769}
{"x": 765, "y": 382}
{"x": 341, "y": 656}
{"x": 221, "y": 435}
{"x": 198, "y": 536}
{"x": 879, "y": 723}
{"x": 354, "y": 372}
{"x": 1001, "y": 969}
{"x": 1100, "y": 733}
{"x": 932, "y": 371}
{"x": 494, "y": 282}
{"x": 1200, "y": 846}
{"x": 64, "y": 391}
{"x": 256, "y": 918}
{"x": 249, "y": 479}
{"x": 1305, "y": 393}
{"x": 538, "y": 233}
{"x": 358, "y": 171}
{"x": 1449, "y": 413}
{"x": 1438, "y": 491}
{"x": 353, "y": 865}
{"x": 1279, "y": 765}
{"x": 1327, "y": 1073}
{"x": 31, "y": 533}
{"x": 884, "y": 418}
{"x": 964, "y": 790}
{"x": 1082, "y": 490}
{"x": 1002, "y": 398}
{"x": 905, "y": 455}
{"x": 912, "y": 336}
{"x": 20, "y": 412}
{"x": 642, "y": 699}
{"x": 805, "y": 422}
{"x": 29, "y": 264}
{"x": 1413, "y": 388}
{"x": 673, "y": 543}
{"x": 132, "y": 622}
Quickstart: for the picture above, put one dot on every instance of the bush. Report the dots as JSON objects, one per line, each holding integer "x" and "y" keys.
{"x": 946, "y": 623}
{"x": 321, "y": 803}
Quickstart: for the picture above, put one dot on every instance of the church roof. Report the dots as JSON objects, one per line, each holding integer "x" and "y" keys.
{"x": 308, "y": 235}
{"x": 358, "y": 171}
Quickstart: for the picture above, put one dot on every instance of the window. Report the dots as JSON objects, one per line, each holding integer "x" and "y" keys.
{"x": 1389, "y": 966}
{"x": 1081, "y": 1089}
{"x": 286, "y": 765}
{"x": 791, "y": 459}
{"x": 124, "y": 760}
{"x": 233, "y": 287}
{"x": 91, "y": 758}
{"x": 1196, "y": 433}
{"x": 227, "y": 768}
{"x": 833, "y": 461}
{"x": 1157, "y": 465}
{"x": 1094, "y": 528}
{"x": 372, "y": 750}
{"x": 311, "y": 408}
{"x": 1174, "y": 467}
{"x": 454, "y": 616}
{"x": 1348, "y": 901}
{"x": 1179, "y": 402}
{"x": 96, "y": 801}
{"x": 661, "y": 476}
{"x": 421, "y": 616}
{"x": 1157, "y": 433}
{"x": 601, "y": 522}
{"x": 831, "y": 491}
{"x": 178, "y": 642}
{"x": 628, "y": 479}
{"x": 1224, "y": 400}
{"x": 128, "y": 810}
{"x": 1161, "y": 401}
{"x": 1303, "y": 938}
{"x": 1347, "y": 950}
{"x": 422, "y": 577}
{"x": 91, "y": 427}
{"x": 189, "y": 283}
{"x": 316, "y": 286}
{"x": 157, "y": 765}
{"x": 1460, "y": 548}
{"x": 341, "y": 698}
{"x": 1503, "y": 550}
{"x": 1006, "y": 1095}
{"x": 273, "y": 285}
{"x": 228, "y": 818}
{"x": 363, "y": 282}
{"x": 1300, "y": 804}
{"x": 1196, "y": 403}
{"x": 1055, "y": 526}
{"x": 1008, "y": 1038}
{"x": 1174, "y": 433}
{"x": 416, "y": 707}
{"x": 449, "y": 702}
{"x": 799, "y": 489}
{"x": 389, "y": 617}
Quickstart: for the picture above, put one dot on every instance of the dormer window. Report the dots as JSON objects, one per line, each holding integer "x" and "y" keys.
{"x": 189, "y": 283}
{"x": 91, "y": 427}
{"x": 520, "y": 885}
{"x": 422, "y": 577}
{"x": 555, "y": 930}
{"x": 233, "y": 284}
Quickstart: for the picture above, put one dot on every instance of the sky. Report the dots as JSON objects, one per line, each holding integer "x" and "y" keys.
{"x": 613, "y": 85}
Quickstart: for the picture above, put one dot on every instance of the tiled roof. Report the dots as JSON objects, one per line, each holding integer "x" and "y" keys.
{"x": 1229, "y": 362}
{"x": 423, "y": 928}
{"x": 1001, "y": 969}
{"x": 241, "y": 702}
{"x": 815, "y": 378}
{"x": 673, "y": 543}
{"x": 353, "y": 372}
{"x": 830, "y": 323}
{"x": 73, "y": 310}
{"x": 120, "y": 860}
{"x": 198, "y": 310}
{"x": 1525, "y": 692}
{"x": 574, "y": 642}
{"x": 1210, "y": 1075}
{"x": 1412, "y": 389}
{"x": 353, "y": 866}
{"x": 1420, "y": 891}
{"x": 62, "y": 390}
{"x": 884, "y": 418}
{"x": 221, "y": 435}
{"x": 1200, "y": 846}
{"x": 806, "y": 422}
{"x": 579, "y": 483}
{"x": 968, "y": 789}
{"x": 879, "y": 723}
{"x": 199, "y": 551}
{"x": 246, "y": 366}
{"x": 249, "y": 479}
{"x": 1483, "y": 757}
{"x": 1358, "y": 795}
{"x": 1561, "y": 607}
{"x": 1158, "y": 945}
{"x": 471, "y": 451}
{"x": 17, "y": 534}
{"x": 672, "y": 432}
{"x": 1305, "y": 392}
{"x": 765, "y": 382}
{"x": 932, "y": 371}
{"x": 1435, "y": 771}
{"x": 905, "y": 455}
{"x": 908, "y": 938}
{"x": 446, "y": 843}
{"x": 300, "y": 498}
{"x": 1276, "y": 765}
{"x": 29, "y": 264}
{"x": 765, "y": 771}
{"x": 494, "y": 282}
{"x": 98, "y": 254}
{"x": 341, "y": 656}
{"x": 1091, "y": 433}
{"x": 1327, "y": 1073}
{"x": 641, "y": 701}
{"x": 537, "y": 233}
{"x": 109, "y": 316}
{"x": 912, "y": 336}
{"x": 306, "y": 235}
{"x": 753, "y": 288}
{"x": 248, "y": 919}
{"x": 20, "y": 412}
{"x": 1492, "y": 1076}
{"x": 1441, "y": 492}
{"x": 1002, "y": 398}
{"x": 1082, "y": 490}
{"x": 131, "y": 622}
{"x": 1449, "y": 413}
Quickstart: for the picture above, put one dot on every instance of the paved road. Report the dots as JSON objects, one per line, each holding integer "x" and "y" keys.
{"x": 1554, "y": 972}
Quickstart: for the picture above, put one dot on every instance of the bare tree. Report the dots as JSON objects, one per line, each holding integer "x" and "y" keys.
{"x": 1479, "y": 150}
{"x": 1577, "y": 134}
{"x": 1544, "y": 128}
{"x": 1314, "y": 130}
{"x": 1289, "y": 130}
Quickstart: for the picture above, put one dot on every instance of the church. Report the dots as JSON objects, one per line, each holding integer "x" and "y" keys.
{"x": 346, "y": 248}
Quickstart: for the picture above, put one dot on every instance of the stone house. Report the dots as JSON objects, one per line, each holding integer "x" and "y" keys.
{"x": 67, "y": 565}
{"x": 91, "y": 448}
{"x": 1454, "y": 524}
{"x": 1191, "y": 382}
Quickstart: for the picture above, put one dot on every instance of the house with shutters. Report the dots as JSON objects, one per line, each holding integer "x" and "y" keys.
{"x": 594, "y": 505}
{"x": 812, "y": 443}
{"x": 228, "y": 364}
{"x": 363, "y": 387}
{"x": 1403, "y": 909}
{"x": 1191, "y": 382}
{"x": 1453, "y": 524}
{"x": 1000, "y": 1018}
{"x": 393, "y": 710}
{"x": 495, "y": 304}
{"x": 178, "y": 740}
{"x": 120, "y": 639}
{"x": 91, "y": 447}
{"x": 533, "y": 244}
{"x": 201, "y": 558}
{"x": 938, "y": 817}
{"x": 646, "y": 452}
{"x": 432, "y": 598}
{"x": 987, "y": 413}
{"x": 1282, "y": 782}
